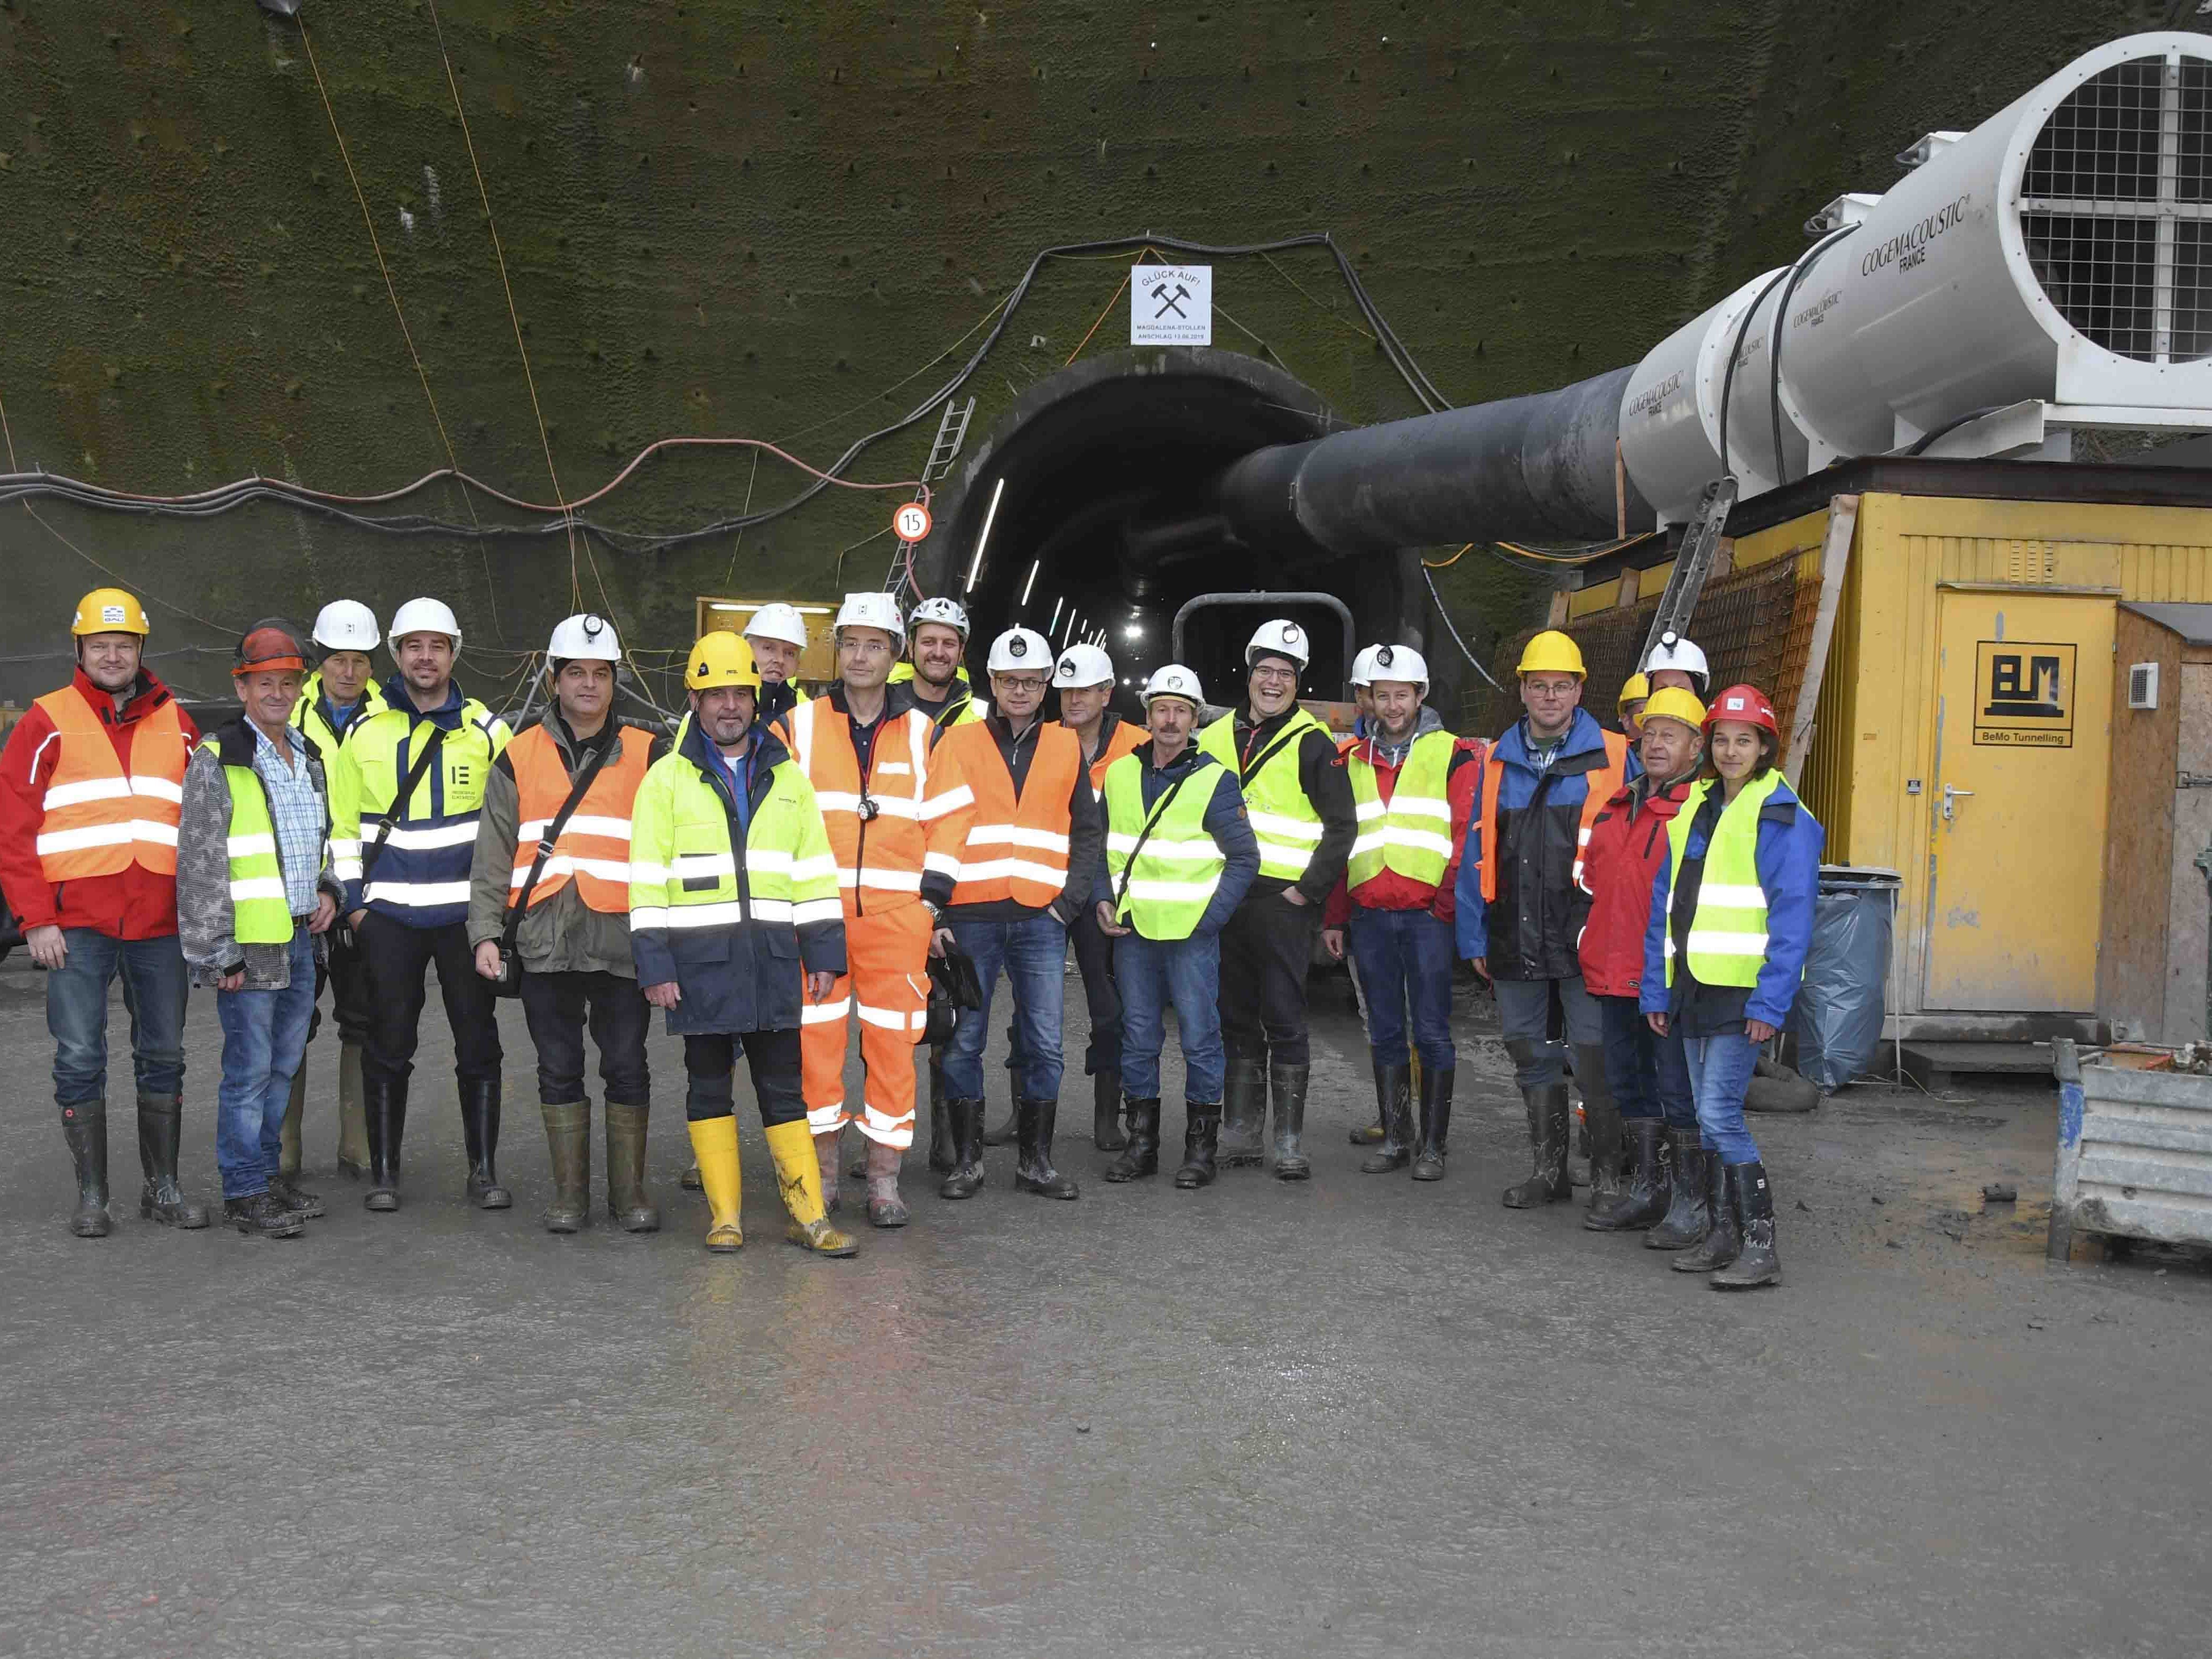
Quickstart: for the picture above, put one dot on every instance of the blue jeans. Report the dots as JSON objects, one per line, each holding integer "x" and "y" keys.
{"x": 1649, "y": 1075}
{"x": 1404, "y": 960}
{"x": 154, "y": 986}
{"x": 265, "y": 1039}
{"x": 1034, "y": 954}
{"x": 1153, "y": 974}
{"x": 1720, "y": 1072}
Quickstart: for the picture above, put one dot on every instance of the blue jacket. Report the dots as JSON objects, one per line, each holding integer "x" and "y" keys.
{"x": 1789, "y": 862}
{"x": 1225, "y": 822}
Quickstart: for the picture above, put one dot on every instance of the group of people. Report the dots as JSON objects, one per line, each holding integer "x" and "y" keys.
{"x": 780, "y": 863}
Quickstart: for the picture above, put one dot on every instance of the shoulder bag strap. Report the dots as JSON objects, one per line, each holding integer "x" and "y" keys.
{"x": 1152, "y": 820}
{"x": 577, "y": 791}
{"x": 415, "y": 775}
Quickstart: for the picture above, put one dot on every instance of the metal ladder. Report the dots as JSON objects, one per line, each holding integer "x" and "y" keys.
{"x": 951, "y": 434}
{"x": 1700, "y": 541}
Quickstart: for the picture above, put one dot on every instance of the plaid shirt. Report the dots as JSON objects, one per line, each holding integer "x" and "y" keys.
{"x": 298, "y": 814}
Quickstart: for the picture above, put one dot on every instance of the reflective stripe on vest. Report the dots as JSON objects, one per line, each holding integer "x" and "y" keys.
{"x": 424, "y": 869}
{"x": 260, "y": 913}
{"x": 881, "y": 860}
{"x": 1016, "y": 848}
{"x": 683, "y": 868}
{"x": 99, "y": 820}
{"x": 593, "y": 850}
{"x": 1284, "y": 822}
{"x": 1412, "y": 834}
{"x": 1727, "y": 934}
{"x": 1599, "y": 786}
{"x": 1180, "y": 865}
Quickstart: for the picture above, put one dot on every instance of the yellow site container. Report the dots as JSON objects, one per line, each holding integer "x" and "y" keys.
{"x": 817, "y": 663}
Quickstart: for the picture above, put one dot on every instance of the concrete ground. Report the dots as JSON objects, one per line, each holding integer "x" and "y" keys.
{"x": 1355, "y": 1417}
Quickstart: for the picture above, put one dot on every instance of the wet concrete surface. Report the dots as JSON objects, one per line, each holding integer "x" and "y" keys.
{"x": 1357, "y": 1417}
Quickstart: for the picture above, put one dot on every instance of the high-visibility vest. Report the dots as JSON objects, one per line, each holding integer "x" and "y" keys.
{"x": 1728, "y": 934}
{"x": 593, "y": 849}
{"x": 1180, "y": 863}
{"x": 1284, "y": 822}
{"x": 1412, "y": 834}
{"x": 308, "y": 716}
{"x": 421, "y": 876}
{"x": 880, "y": 859}
{"x": 260, "y": 912}
{"x": 686, "y": 874}
{"x": 1599, "y": 788}
{"x": 1125, "y": 736}
{"x": 99, "y": 819}
{"x": 1016, "y": 848}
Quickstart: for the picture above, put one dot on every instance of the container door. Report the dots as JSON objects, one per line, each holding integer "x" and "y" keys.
{"x": 2016, "y": 806}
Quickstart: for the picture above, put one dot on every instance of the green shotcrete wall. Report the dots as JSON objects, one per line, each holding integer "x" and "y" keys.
{"x": 737, "y": 219}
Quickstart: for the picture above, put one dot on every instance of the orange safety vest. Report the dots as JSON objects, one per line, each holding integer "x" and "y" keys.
{"x": 881, "y": 854}
{"x": 1125, "y": 736}
{"x": 593, "y": 849}
{"x": 99, "y": 820}
{"x": 1599, "y": 786}
{"x": 1016, "y": 848}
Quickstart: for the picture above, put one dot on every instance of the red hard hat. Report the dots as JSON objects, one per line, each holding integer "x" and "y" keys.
{"x": 1745, "y": 703}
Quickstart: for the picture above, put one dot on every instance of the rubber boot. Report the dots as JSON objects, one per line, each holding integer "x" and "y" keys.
{"x": 1201, "y": 1137}
{"x": 1547, "y": 1181}
{"x": 161, "y": 1125}
{"x": 85, "y": 1128}
{"x": 964, "y": 1129}
{"x": 885, "y": 1207}
{"x": 799, "y": 1177}
{"x": 480, "y": 1135}
{"x": 1602, "y": 1116}
{"x": 384, "y": 1105}
{"x": 1245, "y": 1112}
{"x": 941, "y": 1150}
{"x": 568, "y": 1151}
{"x": 1687, "y": 1216}
{"x": 629, "y": 1206}
{"x": 856, "y": 1167}
{"x": 1287, "y": 1085}
{"x": 1005, "y": 1133}
{"x": 288, "y": 1138}
{"x": 1008, "y": 1132}
{"x": 1435, "y": 1121}
{"x": 1394, "y": 1101}
{"x": 1142, "y": 1156}
{"x": 353, "y": 1117}
{"x": 1033, "y": 1171}
{"x": 825, "y": 1169}
{"x": 714, "y": 1147}
{"x": 1646, "y": 1192}
{"x": 263, "y": 1215}
{"x": 1106, "y": 1111}
{"x": 690, "y": 1180}
{"x": 1724, "y": 1237}
{"x": 1751, "y": 1197}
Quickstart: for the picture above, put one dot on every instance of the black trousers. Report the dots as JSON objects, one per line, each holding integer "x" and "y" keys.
{"x": 774, "y": 1055}
{"x": 1265, "y": 950}
{"x": 393, "y": 958}
{"x": 1094, "y": 958}
{"x": 349, "y": 984}
{"x": 559, "y": 1006}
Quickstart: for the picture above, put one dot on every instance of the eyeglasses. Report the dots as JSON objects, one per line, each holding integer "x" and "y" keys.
{"x": 1276, "y": 675}
{"x": 1025, "y": 682}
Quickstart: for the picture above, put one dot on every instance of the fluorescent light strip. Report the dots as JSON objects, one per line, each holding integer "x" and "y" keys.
{"x": 975, "y": 565}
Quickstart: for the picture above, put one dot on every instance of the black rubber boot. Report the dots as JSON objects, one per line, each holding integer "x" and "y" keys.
{"x": 964, "y": 1129}
{"x": 480, "y": 1135}
{"x": 1687, "y": 1218}
{"x": 1142, "y": 1156}
{"x": 1751, "y": 1196}
{"x": 1436, "y": 1122}
{"x": 569, "y": 1152}
{"x": 85, "y": 1128}
{"x": 1724, "y": 1237}
{"x": 161, "y": 1126}
{"x": 262, "y": 1215}
{"x": 384, "y": 1103}
{"x": 1006, "y": 1132}
{"x": 1106, "y": 1111}
{"x": 1201, "y": 1138}
{"x": 1034, "y": 1173}
{"x": 940, "y": 1133}
{"x": 1245, "y": 1112}
{"x": 1394, "y": 1100}
{"x": 1287, "y": 1084}
{"x": 1647, "y": 1187}
{"x": 1547, "y": 1181}
{"x": 629, "y": 1206}
{"x": 1601, "y": 1117}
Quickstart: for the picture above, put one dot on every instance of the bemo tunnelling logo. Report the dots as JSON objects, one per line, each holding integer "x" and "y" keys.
{"x": 1910, "y": 246}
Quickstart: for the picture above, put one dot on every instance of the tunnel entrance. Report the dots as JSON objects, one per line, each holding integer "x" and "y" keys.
{"x": 1091, "y": 509}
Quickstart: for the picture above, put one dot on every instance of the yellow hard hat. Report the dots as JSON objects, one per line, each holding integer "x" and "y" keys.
{"x": 1635, "y": 690}
{"x": 1552, "y": 652}
{"x": 721, "y": 660}
{"x": 109, "y": 611}
{"x": 1675, "y": 704}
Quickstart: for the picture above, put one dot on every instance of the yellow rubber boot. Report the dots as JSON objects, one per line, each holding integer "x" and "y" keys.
{"x": 714, "y": 1142}
{"x": 799, "y": 1174}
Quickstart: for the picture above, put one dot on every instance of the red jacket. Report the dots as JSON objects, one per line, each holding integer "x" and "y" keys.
{"x": 1627, "y": 845}
{"x": 1388, "y": 889}
{"x": 135, "y": 905}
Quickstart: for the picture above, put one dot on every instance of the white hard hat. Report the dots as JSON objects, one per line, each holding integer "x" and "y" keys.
{"x": 585, "y": 639}
{"x": 1018, "y": 648}
{"x": 1083, "y": 665}
{"x": 778, "y": 622}
{"x": 1397, "y": 662}
{"x": 1674, "y": 651}
{"x": 1174, "y": 681}
{"x": 1278, "y": 638}
{"x": 346, "y": 625}
{"x": 950, "y": 612}
{"x": 1363, "y": 667}
{"x": 423, "y": 616}
{"x": 873, "y": 609}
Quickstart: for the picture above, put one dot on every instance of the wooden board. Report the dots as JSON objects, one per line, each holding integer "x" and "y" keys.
{"x": 2139, "y": 849}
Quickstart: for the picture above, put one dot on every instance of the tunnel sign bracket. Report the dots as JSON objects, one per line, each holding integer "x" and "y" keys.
{"x": 1171, "y": 304}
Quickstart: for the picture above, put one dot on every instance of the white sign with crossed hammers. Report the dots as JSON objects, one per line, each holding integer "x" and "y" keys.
{"x": 1171, "y": 304}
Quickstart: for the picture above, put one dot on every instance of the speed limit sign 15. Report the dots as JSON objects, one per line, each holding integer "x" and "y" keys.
{"x": 911, "y": 522}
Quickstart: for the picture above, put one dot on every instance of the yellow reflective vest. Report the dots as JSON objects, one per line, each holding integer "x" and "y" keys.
{"x": 1727, "y": 934}
{"x": 1178, "y": 864}
{"x": 1412, "y": 834}
{"x": 1286, "y": 823}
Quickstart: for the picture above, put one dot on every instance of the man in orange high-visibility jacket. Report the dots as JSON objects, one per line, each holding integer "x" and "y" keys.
{"x": 92, "y": 789}
{"x": 898, "y": 817}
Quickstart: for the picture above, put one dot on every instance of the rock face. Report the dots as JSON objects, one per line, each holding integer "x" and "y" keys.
{"x": 791, "y": 222}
